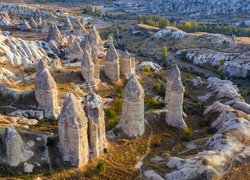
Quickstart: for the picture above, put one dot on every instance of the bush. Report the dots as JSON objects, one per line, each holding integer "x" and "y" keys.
{"x": 117, "y": 105}
{"x": 51, "y": 55}
{"x": 105, "y": 150}
{"x": 101, "y": 166}
{"x": 187, "y": 134}
{"x": 164, "y": 53}
{"x": 109, "y": 113}
{"x": 159, "y": 88}
{"x": 154, "y": 103}
{"x": 146, "y": 69}
{"x": 119, "y": 89}
{"x": 112, "y": 123}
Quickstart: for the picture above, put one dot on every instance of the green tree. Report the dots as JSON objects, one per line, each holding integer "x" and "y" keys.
{"x": 164, "y": 53}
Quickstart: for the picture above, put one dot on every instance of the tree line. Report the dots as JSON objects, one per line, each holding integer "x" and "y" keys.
{"x": 192, "y": 26}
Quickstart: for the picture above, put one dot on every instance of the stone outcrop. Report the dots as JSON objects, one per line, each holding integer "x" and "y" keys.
{"x": 25, "y": 26}
{"x": 171, "y": 77}
{"x": 56, "y": 63}
{"x": 5, "y": 20}
{"x": 67, "y": 25}
{"x": 79, "y": 29}
{"x": 74, "y": 50}
{"x": 46, "y": 91}
{"x": 149, "y": 64}
{"x": 88, "y": 69}
{"x": 20, "y": 52}
{"x": 112, "y": 66}
{"x": 127, "y": 65}
{"x": 55, "y": 34}
{"x": 132, "y": 120}
{"x": 175, "y": 105}
{"x": 33, "y": 23}
{"x": 37, "y": 17}
{"x": 15, "y": 150}
{"x": 73, "y": 132}
{"x": 110, "y": 40}
{"x": 96, "y": 127}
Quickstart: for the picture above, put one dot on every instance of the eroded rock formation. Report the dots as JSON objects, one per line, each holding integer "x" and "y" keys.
{"x": 15, "y": 150}
{"x": 95, "y": 113}
{"x": 127, "y": 65}
{"x": 73, "y": 132}
{"x": 112, "y": 66}
{"x": 46, "y": 91}
{"x": 132, "y": 120}
{"x": 88, "y": 69}
{"x": 55, "y": 34}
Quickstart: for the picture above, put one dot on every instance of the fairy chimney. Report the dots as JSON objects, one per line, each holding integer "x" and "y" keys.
{"x": 172, "y": 76}
{"x": 88, "y": 69}
{"x": 175, "y": 105}
{"x": 73, "y": 132}
{"x": 55, "y": 34}
{"x": 25, "y": 26}
{"x": 46, "y": 91}
{"x": 33, "y": 23}
{"x": 96, "y": 131}
{"x": 127, "y": 65}
{"x": 112, "y": 66}
{"x": 15, "y": 150}
{"x": 67, "y": 25}
{"x": 74, "y": 49}
{"x": 132, "y": 120}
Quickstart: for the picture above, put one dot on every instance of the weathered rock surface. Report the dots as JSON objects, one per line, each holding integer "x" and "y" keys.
{"x": 74, "y": 49}
{"x": 96, "y": 131}
{"x": 56, "y": 35}
{"x": 46, "y": 91}
{"x": 132, "y": 120}
{"x": 73, "y": 132}
{"x": 112, "y": 66}
{"x": 175, "y": 105}
{"x": 88, "y": 69}
{"x": 20, "y": 52}
{"x": 15, "y": 150}
{"x": 153, "y": 66}
{"x": 25, "y": 26}
{"x": 127, "y": 64}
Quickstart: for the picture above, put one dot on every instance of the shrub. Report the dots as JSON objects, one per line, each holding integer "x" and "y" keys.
{"x": 119, "y": 89}
{"x": 51, "y": 55}
{"x": 154, "y": 103}
{"x": 146, "y": 69}
{"x": 159, "y": 88}
{"x": 164, "y": 53}
{"x": 112, "y": 123}
{"x": 109, "y": 113}
{"x": 101, "y": 166}
{"x": 117, "y": 105}
{"x": 105, "y": 150}
{"x": 187, "y": 134}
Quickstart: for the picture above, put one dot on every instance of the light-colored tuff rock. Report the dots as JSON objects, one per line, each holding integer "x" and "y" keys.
{"x": 225, "y": 147}
{"x": 112, "y": 66}
{"x": 20, "y": 52}
{"x": 73, "y": 132}
{"x": 171, "y": 77}
{"x": 88, "y": 69}
{"x": 15, "y": 150}
{"x": 67, "y": 25}
{"x": 74, "y": 49}
{"x": 79, "y": 29}
{"x": 37, "y": 17}
{"x": 132, "y": 120}
{"x": 96, "y": 41}
{"x": 96, "y": 127}
{"x": 127, "y": 65}
{"x": 46, "y": 91}
{"x": 175, "y": 105}
{"x": 28, "y": 168}
{"x": 19, "y": 9}
{"x": 110, "y": 40}
{"x": 56, "y": 35}
{"x": 33, "y": 23}
{"x": 224, "y": 88}
{"x": 25, "y": 26}
{"x": 54, "y": 47}
{"x": 13, "y": 93}
{"x": 56, "y": 63}
{"x": 200, "y": 8}
{"x": 5, "y": 20}
{"x": 197, "y": 81}
{"x": 152, "y": 175}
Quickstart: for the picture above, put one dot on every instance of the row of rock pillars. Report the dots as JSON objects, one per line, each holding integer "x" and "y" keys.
{"x": 82, "y": 130}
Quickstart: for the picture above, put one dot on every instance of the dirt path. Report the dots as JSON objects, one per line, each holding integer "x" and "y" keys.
{"x": 140, "y": 162}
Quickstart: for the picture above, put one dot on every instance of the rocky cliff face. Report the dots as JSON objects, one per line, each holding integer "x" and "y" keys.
{"x": 199, "y": 7}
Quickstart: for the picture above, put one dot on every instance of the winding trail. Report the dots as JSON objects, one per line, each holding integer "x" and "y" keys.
{"x": 140, "y": 162}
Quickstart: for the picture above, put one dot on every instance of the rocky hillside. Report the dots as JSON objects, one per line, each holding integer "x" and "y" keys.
{"x": 200, "y": 7}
